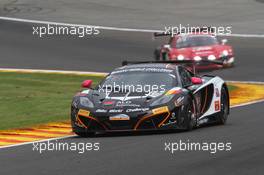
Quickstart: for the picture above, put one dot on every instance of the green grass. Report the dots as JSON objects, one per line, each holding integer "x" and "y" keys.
{"x": 28, "y": 99}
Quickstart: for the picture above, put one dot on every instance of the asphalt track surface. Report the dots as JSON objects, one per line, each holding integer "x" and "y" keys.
{"x": 245, "y": 16}
{"x": 20, "y": 49}
{"x": 125, "y": 153}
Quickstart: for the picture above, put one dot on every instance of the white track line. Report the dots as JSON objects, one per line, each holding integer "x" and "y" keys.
{"x": 53, "y": 71}
{"x": 110, "y": 28}
{"x": 75, "y": 25}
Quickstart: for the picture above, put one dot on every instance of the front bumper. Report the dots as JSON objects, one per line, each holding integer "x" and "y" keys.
{"x": 227, "y": 61}
{"x": 150, "y": 120}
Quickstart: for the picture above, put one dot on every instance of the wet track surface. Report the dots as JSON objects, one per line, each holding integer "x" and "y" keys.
{"x": 141, "y": 154}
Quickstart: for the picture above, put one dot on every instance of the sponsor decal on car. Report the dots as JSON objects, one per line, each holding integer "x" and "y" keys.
{"x": 108, "y": 103}
{"x": 137, "y": 110}
{"x": 83, "y": 112}
{"x": 160, "y": 110}
{"x": 101, "y": 110}
{"x": 126, "y": 104}
{"x": 115, "y": 110}
{"x": 217, "y": 105}
{"x": 120, "y": 117}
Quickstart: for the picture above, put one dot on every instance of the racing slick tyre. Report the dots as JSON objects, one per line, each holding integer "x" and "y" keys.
{"x": 190, "y": 116}
{"x": 223, "y": 115}
{"x": 157, "y": 54}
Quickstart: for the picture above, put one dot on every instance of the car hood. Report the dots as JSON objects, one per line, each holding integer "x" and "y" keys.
{"x": 122, "y": 101}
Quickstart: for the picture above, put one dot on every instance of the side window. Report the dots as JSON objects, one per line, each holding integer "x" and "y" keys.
{"x": 185, "y": 77}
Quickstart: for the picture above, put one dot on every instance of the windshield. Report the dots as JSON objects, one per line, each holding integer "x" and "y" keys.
{"x": 194, "y": 41}
{"x": 140, "y": 81}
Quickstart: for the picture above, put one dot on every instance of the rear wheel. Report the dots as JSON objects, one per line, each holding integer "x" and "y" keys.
{"x": 223, "y": 115}
{"x": 157, "y": 53}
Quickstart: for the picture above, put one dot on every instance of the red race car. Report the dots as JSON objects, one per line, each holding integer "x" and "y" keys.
{"x": 198, "y": 47}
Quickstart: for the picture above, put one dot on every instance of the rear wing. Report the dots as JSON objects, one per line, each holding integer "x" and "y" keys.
{"x": 124, "y": 63}
{"x": 188, "y": 63}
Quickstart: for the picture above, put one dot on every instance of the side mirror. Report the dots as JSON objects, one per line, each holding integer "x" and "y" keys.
{"x": 167, "y": 46}
{"x": 197, "y": 80}
{"x": 224, "y": 41}
{"x": 87, "y": 83}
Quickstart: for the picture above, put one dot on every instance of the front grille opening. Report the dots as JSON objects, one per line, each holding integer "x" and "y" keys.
{"x": 152, "y": 122}
{"x": 91, "y": 124}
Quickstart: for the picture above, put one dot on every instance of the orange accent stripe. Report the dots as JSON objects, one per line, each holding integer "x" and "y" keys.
{"x": 164, "y": 119}
{"x": 79, "y": 120}
{"x": 91, "y": 119}
{"x": 149, "y": 116}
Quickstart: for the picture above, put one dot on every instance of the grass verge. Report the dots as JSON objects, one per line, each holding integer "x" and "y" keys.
{"x": 28, "y": 99}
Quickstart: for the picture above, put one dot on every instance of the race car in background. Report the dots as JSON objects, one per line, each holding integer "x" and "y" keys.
{"x": 180, "y": 100}
{"x": 196, "y": 46}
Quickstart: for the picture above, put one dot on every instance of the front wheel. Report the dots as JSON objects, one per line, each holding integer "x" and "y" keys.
{"x": 223, "y": 115}
{"x": 189, "y": 116}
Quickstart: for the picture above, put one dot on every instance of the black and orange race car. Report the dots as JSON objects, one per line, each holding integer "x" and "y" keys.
{"x": 155, "y": 95}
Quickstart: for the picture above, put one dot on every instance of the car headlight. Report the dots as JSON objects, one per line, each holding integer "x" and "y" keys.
{"x": 211, "y": 57}
{"x": 84, "y": 101}
{"x": 225, "y": 53}
{"x": 180, "y": 57}
{"x": 164, "y": 99}
{"x": 197, "y": 58}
